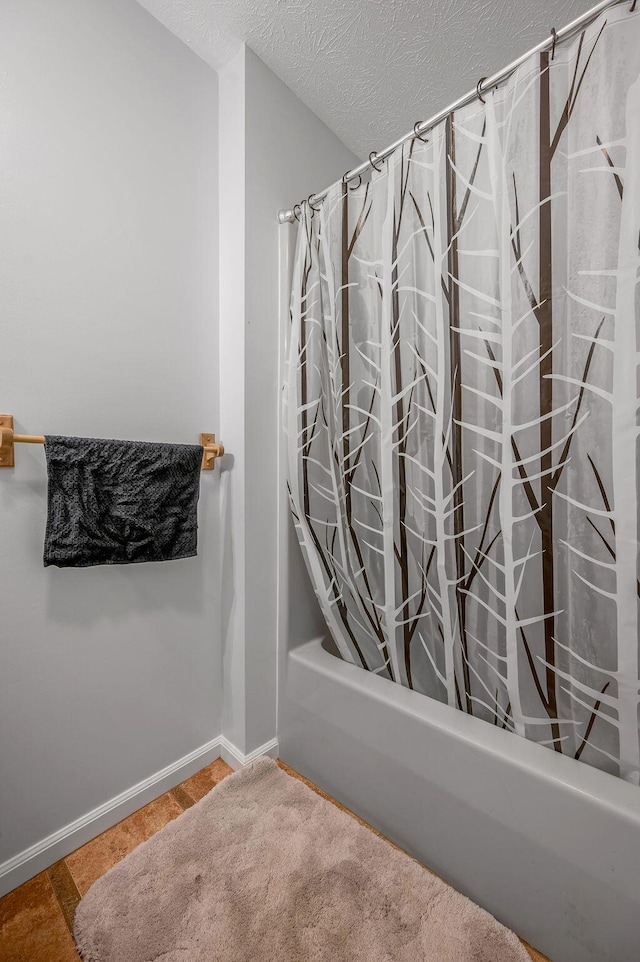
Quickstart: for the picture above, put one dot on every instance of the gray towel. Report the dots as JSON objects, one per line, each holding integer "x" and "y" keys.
{"x": 120, "y": 502}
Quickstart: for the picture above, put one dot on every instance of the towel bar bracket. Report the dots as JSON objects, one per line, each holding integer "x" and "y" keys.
{"x": 7, "y": 456}
{"x": 212, "y": 450}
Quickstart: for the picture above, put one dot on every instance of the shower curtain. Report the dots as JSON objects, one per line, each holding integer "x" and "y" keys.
{"x": 461, "y": 404}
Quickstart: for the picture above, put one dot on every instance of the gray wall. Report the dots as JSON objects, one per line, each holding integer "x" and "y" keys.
{"x": 288, "y": 154}
{"x": 108, "y": 327}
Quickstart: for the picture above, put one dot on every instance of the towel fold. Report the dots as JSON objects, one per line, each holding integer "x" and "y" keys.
{"x": 120, "y": 502}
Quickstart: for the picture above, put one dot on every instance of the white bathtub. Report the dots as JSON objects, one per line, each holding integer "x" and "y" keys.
{"x": 549, "y": 845}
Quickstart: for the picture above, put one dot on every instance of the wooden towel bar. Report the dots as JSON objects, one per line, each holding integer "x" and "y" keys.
{"x": 212, "y": 449}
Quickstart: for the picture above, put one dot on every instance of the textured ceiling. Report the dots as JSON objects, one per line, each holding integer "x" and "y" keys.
{"x": 369, "y": 68}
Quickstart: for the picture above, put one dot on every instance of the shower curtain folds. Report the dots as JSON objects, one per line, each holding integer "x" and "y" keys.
{"x": 461, "y": 403}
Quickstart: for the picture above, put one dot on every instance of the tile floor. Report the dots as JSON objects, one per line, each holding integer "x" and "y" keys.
{"x": 36, "y": 919}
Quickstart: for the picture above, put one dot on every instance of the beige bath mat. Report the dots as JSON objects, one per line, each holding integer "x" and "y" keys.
{"x": 264, "y": 870}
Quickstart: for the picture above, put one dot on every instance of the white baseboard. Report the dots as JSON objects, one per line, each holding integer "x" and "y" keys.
{"x": 23, "y": 866}
{"x": 235, "y": 759}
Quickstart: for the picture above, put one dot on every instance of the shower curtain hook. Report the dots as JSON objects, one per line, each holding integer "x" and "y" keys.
{"x": 315, "y": 209}
{"x": 297, "y": 210}
{"x": 345, "y": 180}
{"x": 479, "y": 88}
{"x": 554, "y": 37}
{"x": 372, "y": 162}
{"x": 416, "y": 133}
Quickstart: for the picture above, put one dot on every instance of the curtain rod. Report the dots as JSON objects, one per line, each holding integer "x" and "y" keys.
{"x": 288, "y": 216}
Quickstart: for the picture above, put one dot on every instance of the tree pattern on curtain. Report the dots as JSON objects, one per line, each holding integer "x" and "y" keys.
{"x": 461, "y": 404}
